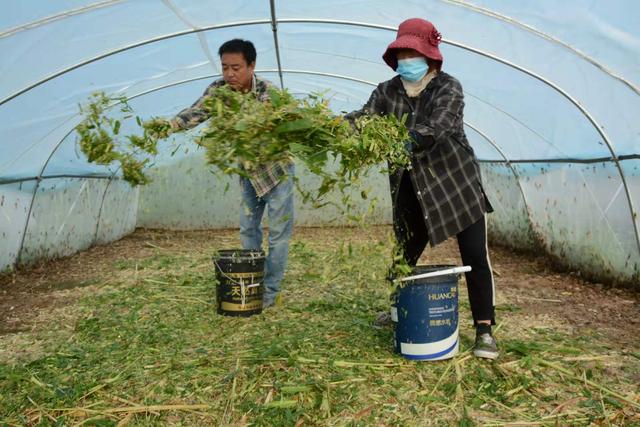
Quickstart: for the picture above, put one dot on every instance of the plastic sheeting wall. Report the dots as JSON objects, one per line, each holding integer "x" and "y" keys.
{"x": 187, "y": 195}
{"x": 551, "y": 91}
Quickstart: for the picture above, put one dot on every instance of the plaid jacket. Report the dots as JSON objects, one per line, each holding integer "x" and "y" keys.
{"x": 444, "y": 170}
{"x": 263, "y": 177}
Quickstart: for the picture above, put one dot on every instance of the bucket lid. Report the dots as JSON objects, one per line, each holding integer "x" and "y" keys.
{"x": 444, "y": 272}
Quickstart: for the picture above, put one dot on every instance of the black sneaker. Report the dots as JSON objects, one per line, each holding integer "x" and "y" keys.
{"x": 485, "y": 346}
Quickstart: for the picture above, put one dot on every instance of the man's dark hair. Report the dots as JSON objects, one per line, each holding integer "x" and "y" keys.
{"x": 244, "y": 47}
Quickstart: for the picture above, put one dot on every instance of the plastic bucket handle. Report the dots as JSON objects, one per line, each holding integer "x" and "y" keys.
{"x": 455, "y": 270}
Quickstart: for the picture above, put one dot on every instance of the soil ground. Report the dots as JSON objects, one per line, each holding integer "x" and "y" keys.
{"x": 528, "y": 282}
{"x": 127, "y": 334}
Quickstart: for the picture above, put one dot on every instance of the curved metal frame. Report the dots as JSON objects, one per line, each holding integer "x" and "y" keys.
{"x": 532, "y": 29}
{"x": 367, "y": 25}
{"x": 274, "y": 28}
{"x": 469, "y": 6}
{"x": 111, "y": 177}
{"x": 104, "y": 196}
{"x": 203, "y": 41}
{"x": 508, "y": 163}
{"x": 585, "y": 113}
{"x": 506, "y": 113}
{"x": 124, "y": 49}
{"x": 51, "y": 18}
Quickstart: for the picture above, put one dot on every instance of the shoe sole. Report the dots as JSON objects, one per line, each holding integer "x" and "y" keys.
{"x": 485, "y": 354}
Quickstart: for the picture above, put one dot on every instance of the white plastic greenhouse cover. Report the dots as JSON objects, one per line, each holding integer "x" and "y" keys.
{"x": 551, "y": 91}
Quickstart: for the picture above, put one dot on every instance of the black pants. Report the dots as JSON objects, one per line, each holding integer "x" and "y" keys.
{"x": 412, "y": 236}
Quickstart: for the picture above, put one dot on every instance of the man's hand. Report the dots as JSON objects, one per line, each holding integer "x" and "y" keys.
{"x": 158, "y": 128}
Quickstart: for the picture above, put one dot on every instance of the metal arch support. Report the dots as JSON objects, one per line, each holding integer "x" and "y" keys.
{"x": 38, "y": 179}
{"x": 508, "y": 163}
{"x": 506, "y": 113}
{"x": 466, "y": 5}
{"x": 263, "y": 70}
{"x": 104, "y": 196}
{"x": 274, "y": 28}
{"x": 585, "y": 113}
{"x": 52, "y": 18}
{"x": 332, "y": 75}
{"x": 383, "y": 27}
{"x": 179, "y": 34}
{"x": 183, "y": 33}
{"x": 546, "y": 36}
{"x": 125, "y": 48}
{"x": 26, "y": 223}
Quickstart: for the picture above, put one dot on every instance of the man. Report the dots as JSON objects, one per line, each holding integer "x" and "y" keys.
{"x": 440, "y": 194}
{"x": 268, "y": 186}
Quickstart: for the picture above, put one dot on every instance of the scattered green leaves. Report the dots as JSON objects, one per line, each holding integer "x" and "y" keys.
{"x": 100, "y": 139}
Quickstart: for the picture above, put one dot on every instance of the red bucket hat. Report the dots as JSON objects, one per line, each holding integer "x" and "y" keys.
{"x": 416, "y": 34}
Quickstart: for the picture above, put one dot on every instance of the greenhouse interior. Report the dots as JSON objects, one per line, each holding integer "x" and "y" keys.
{"x": 107, "y": 288}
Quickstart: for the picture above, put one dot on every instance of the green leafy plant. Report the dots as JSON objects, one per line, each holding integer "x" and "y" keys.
{"x": 100, "y": 139}
{"x": 244, "y": 132}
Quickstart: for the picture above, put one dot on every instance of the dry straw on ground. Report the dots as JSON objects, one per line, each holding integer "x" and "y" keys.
{"x": 137, "y": 342}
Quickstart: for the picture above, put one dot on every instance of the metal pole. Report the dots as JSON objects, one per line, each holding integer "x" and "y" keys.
{"x": 274, "y": 28}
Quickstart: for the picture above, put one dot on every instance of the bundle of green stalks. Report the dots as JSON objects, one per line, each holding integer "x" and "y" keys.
{"x": 244, "y": 132}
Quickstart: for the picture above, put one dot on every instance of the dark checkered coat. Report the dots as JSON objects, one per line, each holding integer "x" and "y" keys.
{"x": 444, "y": 170}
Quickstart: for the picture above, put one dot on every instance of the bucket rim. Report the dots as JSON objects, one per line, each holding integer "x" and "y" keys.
{"x": 238, "y": 254}
{"x": 432, "y": 272}
{"x": 428, "y": 268}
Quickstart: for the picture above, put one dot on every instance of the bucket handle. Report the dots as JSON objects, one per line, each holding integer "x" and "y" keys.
{"x": 241, "y": 282}
{"x": 454, "y": 270}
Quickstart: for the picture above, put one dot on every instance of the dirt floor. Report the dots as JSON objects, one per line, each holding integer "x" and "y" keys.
{"x": 524, "y": 281}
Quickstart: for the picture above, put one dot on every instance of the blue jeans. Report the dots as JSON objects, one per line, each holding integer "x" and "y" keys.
{"x": 279, "y": 202}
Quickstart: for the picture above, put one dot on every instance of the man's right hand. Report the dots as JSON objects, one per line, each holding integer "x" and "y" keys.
{"x": 159, "y": 128}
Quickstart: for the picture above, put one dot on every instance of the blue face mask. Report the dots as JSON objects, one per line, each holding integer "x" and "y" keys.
{"x": 412, "y": 69}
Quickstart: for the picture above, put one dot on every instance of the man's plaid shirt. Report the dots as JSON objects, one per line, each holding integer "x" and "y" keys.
{"x": 444, "y": 170}
{"x": 263, "y": 177}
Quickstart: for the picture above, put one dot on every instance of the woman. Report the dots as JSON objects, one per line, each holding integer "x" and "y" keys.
{"x": 440, "y": 194}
